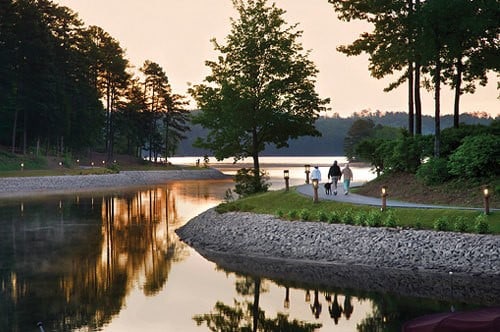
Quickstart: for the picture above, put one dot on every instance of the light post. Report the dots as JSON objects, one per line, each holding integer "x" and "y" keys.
{"x": 92, "y": 164}
{"x": 315, "y": 183}
{"x": 486, "y": 194}
{"x": 308, "y": 170}
{"x": 61, "y": 164}
{"x": 286, "y": 176}
{"x": 384, "y": 198}
{"x": 22, "y": 166}
{"x": 308, "y": 296}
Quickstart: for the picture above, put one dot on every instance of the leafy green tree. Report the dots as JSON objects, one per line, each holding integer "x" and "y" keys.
{"x": 477, "y": 157}
{"x": 261, "y": 89}
{"x": 361, "y": 129}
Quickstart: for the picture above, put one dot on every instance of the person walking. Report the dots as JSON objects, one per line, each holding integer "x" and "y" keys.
{"x": 347, "y": 174}
{"x": 334, "y": 173}
{"x": 316, "y": 174}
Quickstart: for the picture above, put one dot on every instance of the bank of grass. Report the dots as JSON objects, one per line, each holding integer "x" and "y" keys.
{"x": 10, "y": 166}
{"x": 293, "y": 206}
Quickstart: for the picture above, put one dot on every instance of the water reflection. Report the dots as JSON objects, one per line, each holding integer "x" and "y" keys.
{"x": 112, "y": 262}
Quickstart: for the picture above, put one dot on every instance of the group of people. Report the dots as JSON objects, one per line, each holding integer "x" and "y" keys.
{"x": 334, "y": 176}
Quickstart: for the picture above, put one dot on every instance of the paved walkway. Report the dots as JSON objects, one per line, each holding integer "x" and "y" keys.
{"x": 307, "y": 190}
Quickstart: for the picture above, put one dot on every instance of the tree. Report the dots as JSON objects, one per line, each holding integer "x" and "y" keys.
{"x": 165, "y": 105}
{"x": 261, "y": 89}
{"x": 361, "y": 129}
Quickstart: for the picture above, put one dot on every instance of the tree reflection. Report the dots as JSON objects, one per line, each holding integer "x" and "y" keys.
{"x": 71, "y": 262}
{"x": 247, "y": 316}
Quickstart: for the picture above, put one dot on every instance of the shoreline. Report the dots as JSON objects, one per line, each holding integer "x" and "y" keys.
{"x": 18, "y": 187}
{"x": 442, "y": 265}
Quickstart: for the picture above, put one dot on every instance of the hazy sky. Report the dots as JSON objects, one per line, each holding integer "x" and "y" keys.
{"x": 176, "y": 34}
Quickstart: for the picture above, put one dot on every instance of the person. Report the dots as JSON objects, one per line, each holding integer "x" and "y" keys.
{"x": 316, "y": 174}
{"x": 347, "y": 174}
{"x": 334, "y": 173}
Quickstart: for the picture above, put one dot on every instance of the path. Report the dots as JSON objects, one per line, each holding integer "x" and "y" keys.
{"x": 307, "y": 190}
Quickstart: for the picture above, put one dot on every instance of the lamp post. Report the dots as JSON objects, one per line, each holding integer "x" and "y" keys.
{"x": 315, "y": 183}
{"x": 486, "y": 194}
{"x": 384, "y": 198}
{"x": 286, "y": 176}
{"x": 308, "y": 170}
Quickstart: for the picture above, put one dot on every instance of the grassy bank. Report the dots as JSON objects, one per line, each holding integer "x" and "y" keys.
{"x": 293, "y": 206}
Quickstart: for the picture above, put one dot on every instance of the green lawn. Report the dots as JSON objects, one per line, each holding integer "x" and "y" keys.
{"x": 293, "y": 206}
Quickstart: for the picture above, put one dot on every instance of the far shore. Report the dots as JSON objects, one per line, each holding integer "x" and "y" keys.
{"x": 15, "y": 187}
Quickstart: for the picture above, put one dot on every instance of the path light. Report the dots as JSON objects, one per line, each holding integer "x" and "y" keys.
{"x": 78, "y": 162}
{"x": 384, "y": 198}
{"x": 286, "y": 303}
{"x": 22, "y": 166}
{"x": 486, "y": 194}
{"x": 308, "y": 170}
{"x": 315, "y": 183}
{"x": 104, "y": 163}
{"x": 60, "y": 164}
{"x": 308, "y": 296}
{"x": 92, "y": 163}
{"x": 286, "y": 176}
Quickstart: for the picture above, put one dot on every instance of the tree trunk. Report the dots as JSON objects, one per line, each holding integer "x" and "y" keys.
{"x": 410, "y": 98}
{"x": 14, "y": 130}
{"x": 437, "y": 110}
{"x": 458, "y": 85}
{"x": 418, "y": 101}
{"x": 255, "y": 156}
{"x": 255, "y": 307}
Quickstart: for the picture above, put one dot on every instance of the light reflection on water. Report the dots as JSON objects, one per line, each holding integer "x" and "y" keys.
{"x": 112, "y": 262}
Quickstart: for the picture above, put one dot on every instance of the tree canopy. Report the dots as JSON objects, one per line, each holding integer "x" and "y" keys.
{"x": 261, "y": 89}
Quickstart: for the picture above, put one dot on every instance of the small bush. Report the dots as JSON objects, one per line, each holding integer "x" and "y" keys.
{"x": 348, "y": 217}
{"x": 293, "y": 214}
{"x": 305, "y": 214}
{"x": 335, "y": 217}
{"x": 322, "y": 216}
{"x": 481, "y": 225}
{"x": 360, "y": 218}
{"x": 390, "y": 220}
{"x": 374, "y": 218}
{"x": 460, "y": 225}
{"x": 280, "y": 213}
{"x": 441, "y": 224}
{"x": 434, "y": 171}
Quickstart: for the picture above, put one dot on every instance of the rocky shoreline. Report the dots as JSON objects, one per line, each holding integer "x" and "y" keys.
{"x": 409, "y": 262}
{"x": 30, "y": 186}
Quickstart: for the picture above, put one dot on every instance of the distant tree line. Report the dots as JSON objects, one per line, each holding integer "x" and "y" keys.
{"x": 338, "y": 136}
{"x": 66, "y": 88}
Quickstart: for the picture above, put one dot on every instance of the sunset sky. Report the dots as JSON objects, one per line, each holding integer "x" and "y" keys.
{"x": 176, "y": 34}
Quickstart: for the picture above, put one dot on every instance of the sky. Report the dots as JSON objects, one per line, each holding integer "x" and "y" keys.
{"x": 176, "y": 34}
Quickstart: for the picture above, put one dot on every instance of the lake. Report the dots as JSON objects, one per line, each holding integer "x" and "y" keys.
{"x": 111, "y": 261}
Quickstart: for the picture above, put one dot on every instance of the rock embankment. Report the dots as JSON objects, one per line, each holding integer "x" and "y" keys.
{"x": 251, "y": 235}
{"x": 23, "y": 186}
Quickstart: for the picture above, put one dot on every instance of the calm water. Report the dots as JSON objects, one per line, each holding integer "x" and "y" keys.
{"x": 112, "y": 262}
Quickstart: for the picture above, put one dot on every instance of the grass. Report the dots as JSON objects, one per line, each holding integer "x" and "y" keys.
{"x": 293, "y": 206}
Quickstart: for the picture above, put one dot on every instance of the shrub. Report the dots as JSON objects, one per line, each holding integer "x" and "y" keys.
{"x": 390, "y": 220}
{"x": 348, "y": 217}
{"x": 461, "y": 225}
{"x": 476, "y": 157}
{"x": 360, "y": 218}
{"x": 481, "y": 225}
{"x": 434, "y": 171}
{"x": 441, "y": 224}
{"x": 280, "y": 213}
{"x": 335, "y": 217}
{"x": 305, "y": 214}
{"x": 248, "y": 183}
{"x": 293, "y": 214}
{"x": 374, "y": 218}
{"x": 322, "y": 216}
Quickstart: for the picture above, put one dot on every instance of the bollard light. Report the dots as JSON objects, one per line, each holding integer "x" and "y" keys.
{"x": 22, "y": 166}
{"x": 308, "y": 296}
{"x": 315, "y": 183}
{"x": 286, "y": 176}
{"x": 384, "y": 198}
{"x": 486, "y": 194}
{"x": 308, "y": 170}
{"x": 92, "y": 163}
{"x": 103, "y": 162}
